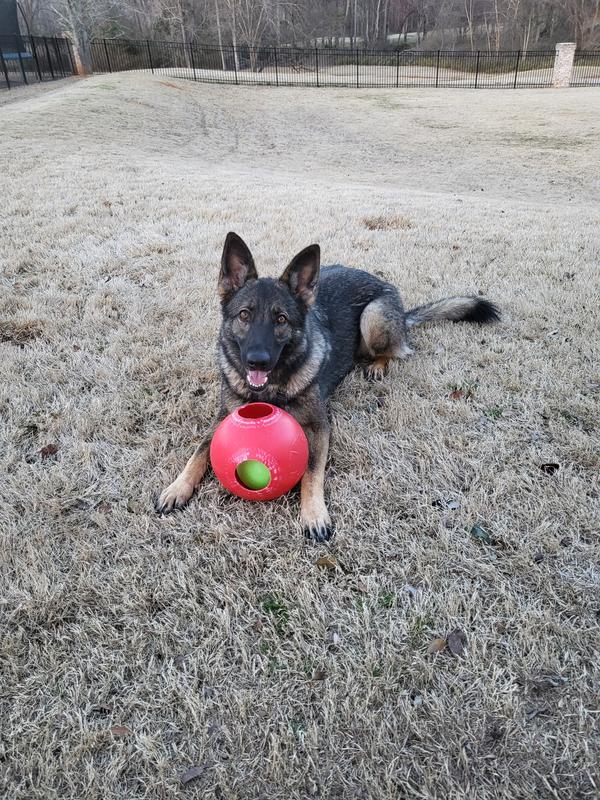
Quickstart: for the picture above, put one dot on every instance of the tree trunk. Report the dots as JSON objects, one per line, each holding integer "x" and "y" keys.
{"x": 234, "y": 35}
{"x": 81, "y": 51}
{"x": 469, "y": 14}
{"x": 386, "y": 9}
{"x": 377, "y": 20}
{"x": 219, "y": 35}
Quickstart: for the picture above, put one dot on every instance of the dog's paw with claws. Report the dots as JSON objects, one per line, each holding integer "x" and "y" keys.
{"x": 377, "y": 370}
{"x": 174, "y": 497}
{"x": 318, "y": 529}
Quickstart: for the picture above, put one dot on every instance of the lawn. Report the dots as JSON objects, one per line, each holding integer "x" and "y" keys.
{"x": 464, "y": 487}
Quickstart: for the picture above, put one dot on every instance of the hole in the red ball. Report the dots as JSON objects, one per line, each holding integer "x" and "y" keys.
{"x": 255, "y": 411}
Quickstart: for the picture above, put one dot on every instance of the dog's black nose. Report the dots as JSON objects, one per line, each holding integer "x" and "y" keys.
{"x": 258, "y": 359}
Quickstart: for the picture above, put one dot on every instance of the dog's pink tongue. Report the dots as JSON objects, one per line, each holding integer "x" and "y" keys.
{"x": 257, "y": 378}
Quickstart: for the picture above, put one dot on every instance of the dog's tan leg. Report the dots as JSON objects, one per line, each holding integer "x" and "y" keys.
{"x": 313, "y": 511}
{"x": 177, "y": 494}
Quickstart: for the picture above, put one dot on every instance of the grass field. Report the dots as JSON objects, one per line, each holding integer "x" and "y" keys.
{"x": 135, "y": 647}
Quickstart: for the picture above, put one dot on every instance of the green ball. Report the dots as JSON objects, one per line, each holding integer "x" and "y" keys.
{"x": 253, "y": 475}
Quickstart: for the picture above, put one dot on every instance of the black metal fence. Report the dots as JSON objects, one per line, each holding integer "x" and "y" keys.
{"x": 29, "y": 59}
{"x": 586, "y": 68}
{"x": 302, "y": 66}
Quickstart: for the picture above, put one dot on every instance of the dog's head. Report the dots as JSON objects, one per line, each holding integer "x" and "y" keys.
{"x": 263, "y": 317}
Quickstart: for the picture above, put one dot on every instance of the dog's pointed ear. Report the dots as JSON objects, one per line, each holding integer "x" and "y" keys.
{"x": 237, "y": 266}
{"x": 302, "y": 274}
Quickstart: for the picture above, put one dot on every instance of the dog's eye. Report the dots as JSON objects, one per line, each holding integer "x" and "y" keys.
{"x": 244, "y": 315}
{"x": 281, "y": 319}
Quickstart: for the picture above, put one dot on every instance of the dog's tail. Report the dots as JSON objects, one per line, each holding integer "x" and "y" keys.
{"x": 457, "y": 309}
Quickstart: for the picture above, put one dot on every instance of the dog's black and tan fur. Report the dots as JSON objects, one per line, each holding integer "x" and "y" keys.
{"x": 291, "y": 341}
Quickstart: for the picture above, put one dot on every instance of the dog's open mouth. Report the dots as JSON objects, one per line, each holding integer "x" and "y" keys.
{"x": 257, "y": 379}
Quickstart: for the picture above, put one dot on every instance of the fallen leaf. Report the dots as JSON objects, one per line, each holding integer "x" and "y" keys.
{"x": 456, "y": 642}
{"x": 478, "y": 532}
{"x": 193, "y": 772}
{"x": 457, "y": 394}
{"x": 49, "y": 450}
{"x": 550, "y": 468}
{"x": 328, "y": 562}
{"x": 120, "y": 730}
{"x": 436, "y": 646}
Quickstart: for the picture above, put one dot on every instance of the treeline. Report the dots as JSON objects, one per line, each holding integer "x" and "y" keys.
{"x": 426, "y": 24}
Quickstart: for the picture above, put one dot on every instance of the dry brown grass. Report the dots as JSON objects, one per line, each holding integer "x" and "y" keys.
{"x": 135, "y": 647}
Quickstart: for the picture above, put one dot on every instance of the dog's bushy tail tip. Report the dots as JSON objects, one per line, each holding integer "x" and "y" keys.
{"x": 456, "y": 309}
{"x": 482, "y": 311}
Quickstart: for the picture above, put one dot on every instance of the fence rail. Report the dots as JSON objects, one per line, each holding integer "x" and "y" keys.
{"x": 363, "y": 68}
{"x": 30, "y": 59}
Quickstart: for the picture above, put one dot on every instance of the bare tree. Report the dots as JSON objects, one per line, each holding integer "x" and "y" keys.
{"x": 249, "y": 24}
{"x": 82, "y": 20}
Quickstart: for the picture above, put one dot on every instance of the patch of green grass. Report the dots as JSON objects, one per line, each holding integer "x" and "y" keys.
{"x": 298, "y": 727}
{"x": 419, "y": 625}
{"x": 386, "y": 599}
{"x": 278, "y": 611}
{"x": 494, "y": 412}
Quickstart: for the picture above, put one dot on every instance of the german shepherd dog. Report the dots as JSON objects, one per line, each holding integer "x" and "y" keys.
{"x": 291, "y": 341}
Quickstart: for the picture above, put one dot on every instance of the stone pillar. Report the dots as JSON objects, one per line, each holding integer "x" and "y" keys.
{"x": 563, "y": 64}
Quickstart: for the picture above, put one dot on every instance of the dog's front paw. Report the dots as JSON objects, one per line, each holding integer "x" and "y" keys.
{"x": 377, "y": 370}
{"x": 318, "y": 528}
{"x": 175, "y": 496}
{"x": 319, "y": 532}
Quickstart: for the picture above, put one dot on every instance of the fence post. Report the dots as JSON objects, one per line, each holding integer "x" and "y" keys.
{"x": 397, "y": 68}
{"x": 234, "y": 64}
{"x": 37, "y": 63}
{"x": 437, "y": 70}
{"x": 48, "y": 57}
{"x": 193, "y": 62}
{"x": 107, "y": 56}
{"x": 4, "y": 70}
{"x": 317, "y": 63}
{"x": 563, "y": 64}
{"x": 276, "y": 67}
{"x": 149, "y": 55}
{"x": 357, "y": 81}
{"x": 517, "y": 69}
{"x": 477, "y": 68}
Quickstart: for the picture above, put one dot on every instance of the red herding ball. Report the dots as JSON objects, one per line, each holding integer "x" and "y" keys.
{"x": 259, "y": 452}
